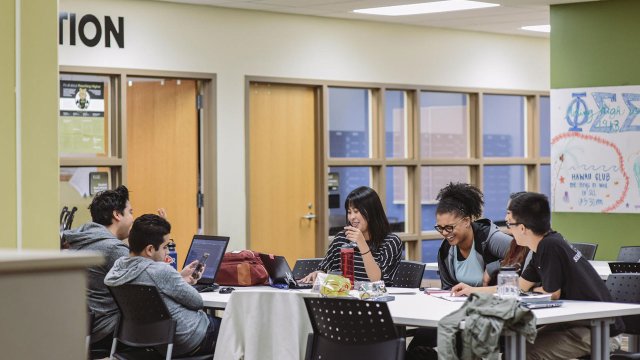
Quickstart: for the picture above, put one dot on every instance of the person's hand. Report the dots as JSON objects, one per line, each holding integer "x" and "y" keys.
{"x": 486, "y": 278}
{"x": 355, "y": 235}
{"x": 162, "y": 213}
{"x": 309, "y": 279}
{"x": 188, "y": 272}
{"x": 461, "y": 289}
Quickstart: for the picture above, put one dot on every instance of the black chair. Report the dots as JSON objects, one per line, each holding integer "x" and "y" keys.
{"x": 409, "y": 274}
{"x": 346, "y": 329}
{"x": 626, "y": 288}
{"x": 624, "y": 267}
{"x": 304, "y": 267}
{"x": 145, "y": 323}
{"x": 92, "y": 351}
{"x": 629, "y": 254}
{"x": 588, "y": 250}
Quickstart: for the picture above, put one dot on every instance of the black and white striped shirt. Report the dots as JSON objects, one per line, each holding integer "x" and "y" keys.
{"x": 387, "y": 256}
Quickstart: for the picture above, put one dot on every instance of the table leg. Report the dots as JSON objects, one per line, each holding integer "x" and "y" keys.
{"x": 596, "y": 336}
{"x": 605, "y": 334}
{"x": 514, "y": 346}
{"x": 634, "y": 343}
{"x": 510, "y": 345}
{"x": 522, "y": 347}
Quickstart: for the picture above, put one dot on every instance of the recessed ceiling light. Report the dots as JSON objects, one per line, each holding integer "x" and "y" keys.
{"x": 426, "y": 8}
{"x": 538, "y": 28}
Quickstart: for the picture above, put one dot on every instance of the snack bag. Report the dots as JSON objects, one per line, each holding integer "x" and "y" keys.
{"x": 335, "y": 285}
{"x": 371, "y": 290}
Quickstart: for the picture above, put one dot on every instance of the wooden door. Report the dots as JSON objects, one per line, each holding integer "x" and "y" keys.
{"x": 162, "y": 154}
{"x": 282, "y": 177}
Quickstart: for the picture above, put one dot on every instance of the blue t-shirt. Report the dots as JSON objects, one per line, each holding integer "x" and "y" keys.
{"x": 469, "y": 270}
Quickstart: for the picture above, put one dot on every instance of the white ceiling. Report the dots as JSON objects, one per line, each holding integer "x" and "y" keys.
{"x": 504, "y": 19}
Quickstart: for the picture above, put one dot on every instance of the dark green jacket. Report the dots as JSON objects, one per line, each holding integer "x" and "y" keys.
{"x": 485, "y": 317}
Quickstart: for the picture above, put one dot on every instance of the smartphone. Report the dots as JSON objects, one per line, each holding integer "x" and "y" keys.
{"x": 200, "y": 265}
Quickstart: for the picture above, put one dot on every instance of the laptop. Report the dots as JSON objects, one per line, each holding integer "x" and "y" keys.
{"x": 280, "y": 272}
{"x": 215, "y": 246}
{"x": 542, "y": 304}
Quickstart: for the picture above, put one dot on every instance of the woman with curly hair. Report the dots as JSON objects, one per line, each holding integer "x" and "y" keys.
{"x": 472, "y": 247}
{"x": 471, "y": 251}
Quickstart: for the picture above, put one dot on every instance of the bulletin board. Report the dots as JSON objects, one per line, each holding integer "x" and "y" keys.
{"x": 595, "y": 149}
{"x": 81, "y": 123}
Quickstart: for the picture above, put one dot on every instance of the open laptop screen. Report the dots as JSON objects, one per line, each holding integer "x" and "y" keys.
{"x": 215, "y": 246}
{"x": 278, "y": 268}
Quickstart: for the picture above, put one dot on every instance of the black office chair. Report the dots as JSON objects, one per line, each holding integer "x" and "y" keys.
{"x": 346, "y": 329}
{"x": 66, "y": 220}
{"x": 304, "y": 267}
{"x": 409, "y": 274}
{"x": 93, "y": 353}
{"x": 629, "y": 254}
{"x": 624, "y": 267}
{"x": 588, "y": 250}
{"x": 145, "y": 322}
{"x": 626, "y": 288}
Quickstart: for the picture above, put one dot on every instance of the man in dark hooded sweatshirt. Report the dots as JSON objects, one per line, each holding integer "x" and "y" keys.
{"x": 112, "y": 217}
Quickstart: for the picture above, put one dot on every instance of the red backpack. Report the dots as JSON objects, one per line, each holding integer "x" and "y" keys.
{"x": 241, "y": 268}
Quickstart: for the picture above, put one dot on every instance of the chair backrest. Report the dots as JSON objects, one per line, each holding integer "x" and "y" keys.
{"x": 624, "y": 267}
{"x": 144, "y": 318}
{"x": 626, "y": 288}
{"x": 588, "y": 250}
{"x": 629, "y": 254}
{"x": 304, "y": 267}
{"x": 352, "y": 329}
{"x": 409, "y": 274}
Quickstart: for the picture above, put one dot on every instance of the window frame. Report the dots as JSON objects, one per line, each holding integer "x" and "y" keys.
{"x": 413, "y": 236}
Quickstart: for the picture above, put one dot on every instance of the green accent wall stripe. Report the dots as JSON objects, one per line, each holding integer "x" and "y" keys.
{"x": 39, "y": 125}
{"x": 596, "y": 44}
{"x": 7, "y": 125}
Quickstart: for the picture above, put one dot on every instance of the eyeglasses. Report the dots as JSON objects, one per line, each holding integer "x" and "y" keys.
{"x": 509, "y": 225}
{"x": 447, "y": 228}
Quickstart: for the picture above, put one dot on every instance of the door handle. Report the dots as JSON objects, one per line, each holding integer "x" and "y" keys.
{"x": 309, "y": 216}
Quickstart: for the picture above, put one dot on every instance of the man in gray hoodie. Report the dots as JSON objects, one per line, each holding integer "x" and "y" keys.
{"x": 196, "y": 332}
{"x": 112, "y": 217}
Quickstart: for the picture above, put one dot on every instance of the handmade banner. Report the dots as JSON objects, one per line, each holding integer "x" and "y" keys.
{"x": 595, "y": 149}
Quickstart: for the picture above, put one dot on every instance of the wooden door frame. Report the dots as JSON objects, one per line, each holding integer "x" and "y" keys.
{"x": 320, "y": 191}
{"x": 208, "y": 133}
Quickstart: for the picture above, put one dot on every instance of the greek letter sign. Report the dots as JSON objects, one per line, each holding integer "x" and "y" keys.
{"x": 595, "y": 149}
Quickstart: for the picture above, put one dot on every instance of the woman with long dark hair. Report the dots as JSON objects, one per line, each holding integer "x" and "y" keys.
{"x": 378, "y": 251}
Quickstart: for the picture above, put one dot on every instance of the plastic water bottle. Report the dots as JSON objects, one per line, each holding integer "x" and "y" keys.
{"x": 508, "y": 282}
{"x": 172, "y": 259}
{"x": 346, "y": 262}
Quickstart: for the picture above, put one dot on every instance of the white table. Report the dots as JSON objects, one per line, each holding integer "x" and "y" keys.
{"x": 423, "y": 310}
{"x": 602, "y": 268}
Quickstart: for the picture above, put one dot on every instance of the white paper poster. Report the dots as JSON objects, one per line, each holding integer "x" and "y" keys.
{"x": 595, "y": 149}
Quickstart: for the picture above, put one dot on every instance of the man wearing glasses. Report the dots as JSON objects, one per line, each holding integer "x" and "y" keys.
{"x": 562, "y": 272}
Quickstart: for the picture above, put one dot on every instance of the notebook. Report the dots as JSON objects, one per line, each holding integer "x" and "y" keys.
{"x": 215, "y": 246}
{"x": 280, "y": 272}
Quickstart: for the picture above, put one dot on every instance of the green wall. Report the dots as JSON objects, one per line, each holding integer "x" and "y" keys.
{"x": 596, "y": 44}
{"x": 7, "y": 125}
{"x": 39, "y": 126}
